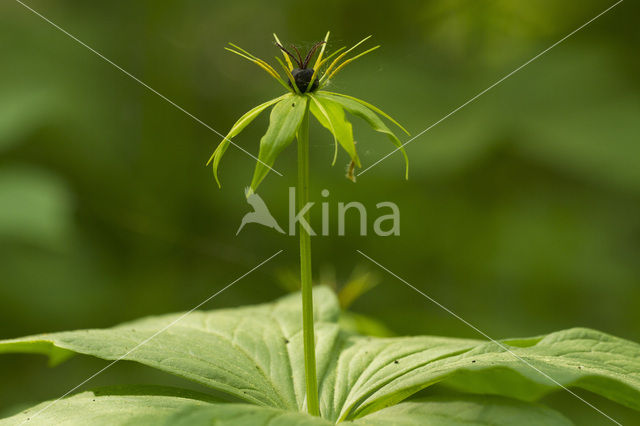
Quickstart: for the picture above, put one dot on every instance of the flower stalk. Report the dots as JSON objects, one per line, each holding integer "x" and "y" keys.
{"x": 313, "y": 406}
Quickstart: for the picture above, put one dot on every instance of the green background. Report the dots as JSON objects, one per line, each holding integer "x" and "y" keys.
{"x": 521, "y": 214}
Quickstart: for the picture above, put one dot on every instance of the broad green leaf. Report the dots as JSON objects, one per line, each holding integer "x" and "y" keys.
{"x": 451, "y": 411}
{"x": 242, "y": 415}
{"x": 150, "y": 405}
{"x": 238, "y": 127}
{"x": 464, "y": 411}
{"x": 284, "y": 121}
{"x": 358, "y": 108}
{"x": 584, "y": 358}
{"x": 253, "y": 353}
{"x": 331, "y": 115}
{"x": 125, "y": 405}
{"x": 382, "y": 372}
{"x": 365, "y": 365}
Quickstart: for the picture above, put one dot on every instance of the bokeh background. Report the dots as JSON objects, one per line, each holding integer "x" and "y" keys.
{"x": 522, "y": 211}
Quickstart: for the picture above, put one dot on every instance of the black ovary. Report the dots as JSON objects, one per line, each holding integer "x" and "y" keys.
{"x": 302, "y": 77}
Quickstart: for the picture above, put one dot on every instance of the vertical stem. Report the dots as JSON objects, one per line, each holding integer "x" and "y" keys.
{"x": 305, "y": 270}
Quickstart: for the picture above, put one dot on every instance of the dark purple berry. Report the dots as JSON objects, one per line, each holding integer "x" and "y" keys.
{"x": 302, "y": 77}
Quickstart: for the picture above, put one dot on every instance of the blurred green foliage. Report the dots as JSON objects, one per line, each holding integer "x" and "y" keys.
{"x": 522, "y": 212}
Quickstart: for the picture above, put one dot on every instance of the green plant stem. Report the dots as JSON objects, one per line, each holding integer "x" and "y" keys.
{"x": 313, "y": 405}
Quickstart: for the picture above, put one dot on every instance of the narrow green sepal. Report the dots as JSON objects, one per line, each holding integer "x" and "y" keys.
{"x": 331, "y": 116}
{"x": 239, "y": 125}
{"x": 284, "y": 122}
{"x": 373, "y": 108}
{"x": 356, "y": 107}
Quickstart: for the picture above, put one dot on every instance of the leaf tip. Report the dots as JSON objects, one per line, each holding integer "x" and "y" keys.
{"x": 215, "y": 176}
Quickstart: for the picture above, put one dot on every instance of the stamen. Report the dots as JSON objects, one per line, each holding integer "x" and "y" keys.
{"x": 299, "y": 56}
{"x": 311, "y": 52}
{"x": 288, "y": 53}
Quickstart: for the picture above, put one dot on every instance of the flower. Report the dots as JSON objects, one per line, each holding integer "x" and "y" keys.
{"x": 305, "y": 94}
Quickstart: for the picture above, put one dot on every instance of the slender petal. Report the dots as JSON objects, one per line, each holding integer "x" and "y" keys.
{"x": 262, "y": 64}
{"x": 324, "y": 46}
{"x": 318, "y": 67}
{"x": 334, "y": 53}
{"x": 335, "y": 62}
{"x": 348, "y": 61}
{"x": 294, "y": 86}
{"x": 284, "y": 53}
{"x": 255, "y": 58}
